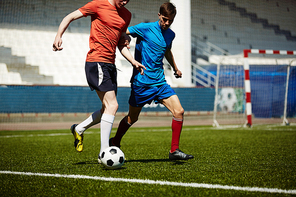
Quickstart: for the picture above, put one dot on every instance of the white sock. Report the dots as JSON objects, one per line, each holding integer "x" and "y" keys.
{"x": 93, "y": 119}
{"x": 106, "y": 127}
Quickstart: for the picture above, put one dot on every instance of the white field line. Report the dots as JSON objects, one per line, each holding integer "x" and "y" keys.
{"x": 153, "y": 182}
{"x": 36, "y": 135}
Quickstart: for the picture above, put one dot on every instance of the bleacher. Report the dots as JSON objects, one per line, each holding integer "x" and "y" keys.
{"x": 223, "y": 24}
{"x": 66, "y": 67}
{"x": 9, "y": 77}
{"x": 276, "y": 12}
{"x": 26, "y": 36}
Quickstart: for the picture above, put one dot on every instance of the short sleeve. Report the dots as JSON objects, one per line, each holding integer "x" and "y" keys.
{"x": 89, "y": 8}
{"x": 137, "y": 30}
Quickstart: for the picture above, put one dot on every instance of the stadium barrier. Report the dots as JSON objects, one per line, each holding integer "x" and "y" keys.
{"x": 80, "y": 99}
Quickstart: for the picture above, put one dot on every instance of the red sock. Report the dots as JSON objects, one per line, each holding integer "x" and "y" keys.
{"x": 176, "y": 128}
{"x": 122, "y": 129}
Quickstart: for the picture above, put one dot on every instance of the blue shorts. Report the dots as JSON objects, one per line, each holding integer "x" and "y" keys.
{"x": 141, "y": 95}
{"x": 101, "y": 76}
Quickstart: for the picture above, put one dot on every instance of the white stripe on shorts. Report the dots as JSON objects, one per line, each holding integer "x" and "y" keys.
{"x": 100, "y": 75}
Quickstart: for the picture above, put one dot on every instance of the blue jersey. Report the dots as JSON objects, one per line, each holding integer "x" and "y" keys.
{"x": 152, "y": 43}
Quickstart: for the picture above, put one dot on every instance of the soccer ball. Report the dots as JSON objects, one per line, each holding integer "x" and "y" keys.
{"x": 227, "y": 100}
{"x": 112, "y": 157}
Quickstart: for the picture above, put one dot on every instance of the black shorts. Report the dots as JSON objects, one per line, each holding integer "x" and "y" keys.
{"x": 101, "y": 76}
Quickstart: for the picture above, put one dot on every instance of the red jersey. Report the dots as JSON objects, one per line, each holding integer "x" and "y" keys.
{"x": 107, "y": 24}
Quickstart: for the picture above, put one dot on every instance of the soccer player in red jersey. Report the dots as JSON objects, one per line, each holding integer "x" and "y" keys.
{"x": 109, "y": 22}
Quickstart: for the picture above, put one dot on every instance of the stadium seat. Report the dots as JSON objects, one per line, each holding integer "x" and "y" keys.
{"x": 30, "y": 45}
{"x": 11, "y": 78}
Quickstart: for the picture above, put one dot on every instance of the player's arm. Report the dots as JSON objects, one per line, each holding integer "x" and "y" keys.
{"x": 127, "y": 54}
{"x": 124, "y": 41}
{"x": 123, "y": 48}
{"x": 62, "y": 28}
{"x": 128, "y": 32}
{"x": 170, "y": 58}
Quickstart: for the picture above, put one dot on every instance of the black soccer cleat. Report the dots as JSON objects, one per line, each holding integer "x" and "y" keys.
{"x": 111, "y": 143}
{"x": 179, "y": 155}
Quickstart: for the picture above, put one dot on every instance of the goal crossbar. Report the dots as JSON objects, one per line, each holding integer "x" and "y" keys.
{"x": 247, "y": 77}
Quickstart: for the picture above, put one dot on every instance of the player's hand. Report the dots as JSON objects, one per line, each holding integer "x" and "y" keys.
{"x": 139, "y": 66}
{"x": 178, "y": 74}
{"x": 57, "y": 44}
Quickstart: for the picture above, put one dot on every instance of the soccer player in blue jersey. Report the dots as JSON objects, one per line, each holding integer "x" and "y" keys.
{"x": 154, "y": 41}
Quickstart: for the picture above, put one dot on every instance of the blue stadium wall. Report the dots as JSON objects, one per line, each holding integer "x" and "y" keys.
{"x": 78, "y": 99}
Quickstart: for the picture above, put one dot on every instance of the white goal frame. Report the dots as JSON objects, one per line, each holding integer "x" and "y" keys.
{"x": 248, "y": 84}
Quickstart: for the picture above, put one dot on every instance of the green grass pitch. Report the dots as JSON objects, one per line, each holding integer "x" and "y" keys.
{"x": 262, "y": 157}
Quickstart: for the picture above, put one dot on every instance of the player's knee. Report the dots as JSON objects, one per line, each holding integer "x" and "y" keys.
{"x": 132, "y": 120}
{"x": 178, "y": 113}
{"x": 115, "y": 107}
{"x": 111, "y": 108}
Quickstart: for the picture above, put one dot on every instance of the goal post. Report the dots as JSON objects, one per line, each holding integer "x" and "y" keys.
{"x": 248, "y": 83}
{"x": 255, "y": 87}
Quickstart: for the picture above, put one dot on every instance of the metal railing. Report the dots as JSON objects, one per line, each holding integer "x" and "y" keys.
{"x": 202, "y": 76}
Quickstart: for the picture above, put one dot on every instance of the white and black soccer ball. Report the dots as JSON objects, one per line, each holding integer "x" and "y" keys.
{"x": 112, "y": 157}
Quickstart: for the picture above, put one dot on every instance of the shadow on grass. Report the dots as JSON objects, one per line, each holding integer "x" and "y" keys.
{"x": 95, "y": 162}
{"x": 176, "y": 162}
{"x": 87, "y": 162}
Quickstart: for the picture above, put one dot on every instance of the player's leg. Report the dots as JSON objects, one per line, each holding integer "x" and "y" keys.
{"x": 133, "y": 114}
{"x": 92, "y": 120}
{"x": 173, "y": 104}
{"x": 78, "y": 129}
{"x": 102, "y": 78}
{"x": 125, "y": 124}
{"x": 110, "y": 106}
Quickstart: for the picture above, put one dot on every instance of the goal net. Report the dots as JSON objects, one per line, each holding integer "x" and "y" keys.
{"x": 259, "y": 88}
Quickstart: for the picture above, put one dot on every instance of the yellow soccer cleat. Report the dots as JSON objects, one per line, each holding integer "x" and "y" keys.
{"x": 78, "y": 139}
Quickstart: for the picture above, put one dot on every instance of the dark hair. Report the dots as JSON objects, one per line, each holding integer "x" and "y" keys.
{"x": 167, "y": 9}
